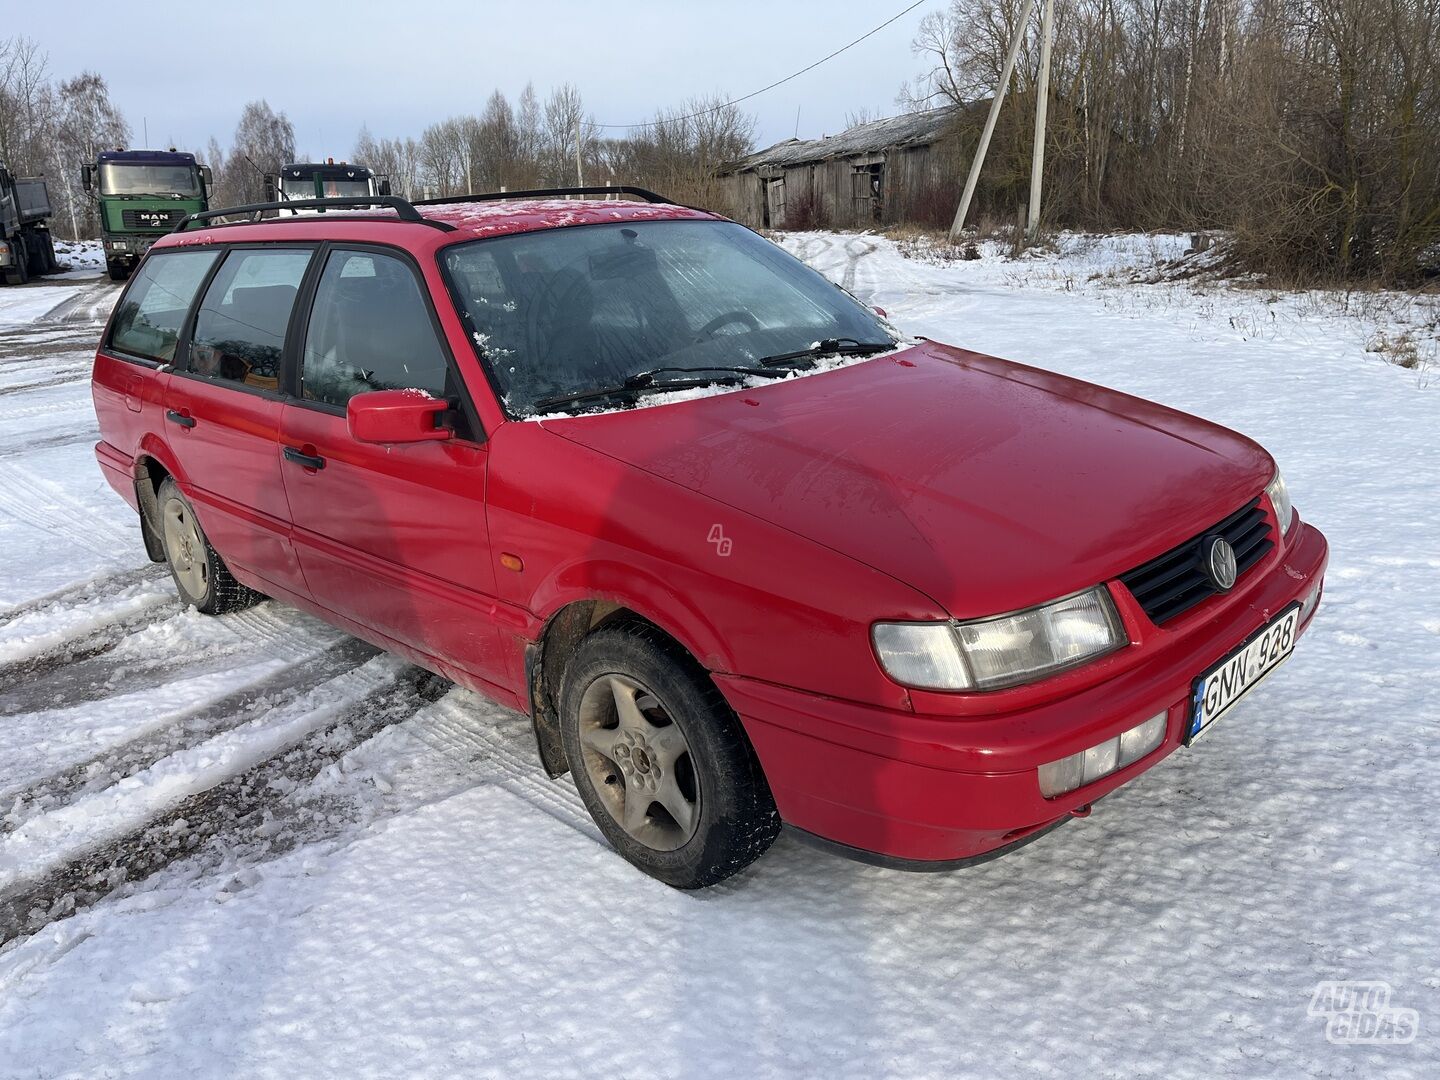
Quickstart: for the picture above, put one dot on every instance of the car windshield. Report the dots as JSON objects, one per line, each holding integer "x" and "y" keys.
{"x": 562, "y": 311}
{"x": 123, "y": 178}
{"x": 331, "y": 187}
{"x": 341, "y": 189}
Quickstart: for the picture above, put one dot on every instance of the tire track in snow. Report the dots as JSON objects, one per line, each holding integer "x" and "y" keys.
{"x": 147, "y": 648}
{"x": 83, "y": 592}
{"x": 35, "y": 501}
{"x": 79, "y": 638}
{"x": 471, "y": 731}
{"x": 233, "y": 710}
{"x": 222, "y": 811}
{"x": 856, "y": 249}
{"x": 64, "y": 379}
{"x": 91, "y": 305}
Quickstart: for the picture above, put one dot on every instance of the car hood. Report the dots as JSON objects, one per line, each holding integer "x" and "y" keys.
{"x": 986, "y": 485}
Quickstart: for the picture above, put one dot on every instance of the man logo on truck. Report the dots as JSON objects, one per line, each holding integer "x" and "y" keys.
{"x": 143, "y": 194}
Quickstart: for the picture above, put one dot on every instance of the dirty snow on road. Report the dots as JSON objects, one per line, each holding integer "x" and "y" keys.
{"x": 253, "y": 846}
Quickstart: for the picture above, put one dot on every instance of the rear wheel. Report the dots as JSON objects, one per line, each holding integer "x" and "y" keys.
{"x": 661, "y": 760}
{"x": 201, "y": 577}
{"x": 52, "y": 264}
{"x": 118, "y": 271}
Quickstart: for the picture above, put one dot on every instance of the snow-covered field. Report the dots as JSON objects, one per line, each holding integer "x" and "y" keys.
{"x": 252, "y": 846}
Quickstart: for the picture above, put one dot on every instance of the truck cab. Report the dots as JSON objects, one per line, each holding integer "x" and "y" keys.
{"x": 324, "y": 180}
{"x": 143, "y": 194}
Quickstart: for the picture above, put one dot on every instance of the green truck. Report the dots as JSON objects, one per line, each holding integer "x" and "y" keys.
{"x": 143, "y": 194}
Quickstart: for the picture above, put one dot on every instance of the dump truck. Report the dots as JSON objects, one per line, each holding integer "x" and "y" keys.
{"x": 143, "y": 194}
{"x": 26, "y": 246}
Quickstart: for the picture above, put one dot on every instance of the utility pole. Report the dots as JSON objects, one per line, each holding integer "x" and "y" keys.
{"x": 579, "y": 171}
{"x": 1042, "y": 104}
{"x": 1020, "y": 25}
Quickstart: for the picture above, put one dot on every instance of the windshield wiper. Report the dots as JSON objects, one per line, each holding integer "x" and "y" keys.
{"x": 828, "y": 347}
{"x": 646, "y": 380}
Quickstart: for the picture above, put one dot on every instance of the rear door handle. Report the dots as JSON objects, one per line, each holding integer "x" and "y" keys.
{"x": 183, "y": 419}
{"x": 310, "y": 461}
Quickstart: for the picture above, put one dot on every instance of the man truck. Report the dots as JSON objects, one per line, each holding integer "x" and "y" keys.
{"x": 26, "y": 247}
{"x": 143, "y": 194}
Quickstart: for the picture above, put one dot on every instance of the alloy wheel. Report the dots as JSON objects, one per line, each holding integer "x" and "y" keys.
{"x": 638, "y": 761}
{"x": 185, "y": 549}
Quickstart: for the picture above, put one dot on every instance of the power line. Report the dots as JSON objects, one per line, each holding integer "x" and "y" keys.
{"x": 763, "y": 89}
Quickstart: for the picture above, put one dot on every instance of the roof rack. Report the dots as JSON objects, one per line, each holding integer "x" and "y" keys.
{"x": 404, "y": 211}
{"x": 538, "y": 193}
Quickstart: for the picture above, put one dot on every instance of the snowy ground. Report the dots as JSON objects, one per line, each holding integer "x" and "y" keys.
{"x": 253, "y": 846}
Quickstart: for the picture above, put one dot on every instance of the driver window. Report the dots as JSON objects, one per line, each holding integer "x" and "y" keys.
{"x": 369, "y": 329}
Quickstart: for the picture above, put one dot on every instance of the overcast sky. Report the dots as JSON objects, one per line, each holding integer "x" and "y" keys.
{"x": 332, "y": 66}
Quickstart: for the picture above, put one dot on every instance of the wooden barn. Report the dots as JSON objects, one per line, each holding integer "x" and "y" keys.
{"x": 877, "y": 173}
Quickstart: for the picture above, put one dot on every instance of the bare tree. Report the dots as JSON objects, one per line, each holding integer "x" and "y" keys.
{"x": 264, "y": 142}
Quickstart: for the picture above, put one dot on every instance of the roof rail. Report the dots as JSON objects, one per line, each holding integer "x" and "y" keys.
{"x": 404, "y": 211}
{"x": 537, "y": 193}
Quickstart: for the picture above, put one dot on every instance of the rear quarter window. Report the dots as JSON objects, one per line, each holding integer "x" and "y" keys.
{"x": 150, "y": 314}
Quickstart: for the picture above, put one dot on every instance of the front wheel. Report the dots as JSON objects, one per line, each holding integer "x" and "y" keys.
{"x": 118, "y": 271}
{"x": 18, "y": 272}
{"x": 661, "y": 760}
{"x": 201, "y": 576}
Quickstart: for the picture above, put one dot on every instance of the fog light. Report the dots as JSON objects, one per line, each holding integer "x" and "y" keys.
{"x": 1069, "y": 773}
{"x": 1310, "y": 602}
{"x": 117, "y": 245}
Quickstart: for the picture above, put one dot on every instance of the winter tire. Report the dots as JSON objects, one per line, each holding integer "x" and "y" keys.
{"x": 201, "y": 576}
{"x": 661, "y": 760}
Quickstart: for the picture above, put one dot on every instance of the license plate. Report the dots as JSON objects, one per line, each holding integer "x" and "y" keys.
{"x": 1241, "y": 671}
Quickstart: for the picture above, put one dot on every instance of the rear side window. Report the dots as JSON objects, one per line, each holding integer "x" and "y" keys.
{"x": 370, "y": 329}
{"x": 240, "y": 328}
{"x": 148, "y": 320}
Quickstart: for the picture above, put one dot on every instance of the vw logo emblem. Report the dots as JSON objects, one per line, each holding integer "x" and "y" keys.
{"x": 1220, "y": 564}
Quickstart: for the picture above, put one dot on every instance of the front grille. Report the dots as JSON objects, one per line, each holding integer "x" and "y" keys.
{"x": 1175, "y": 582}
{"x": 151, "y": 219}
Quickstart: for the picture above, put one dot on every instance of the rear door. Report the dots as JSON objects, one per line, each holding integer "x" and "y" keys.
{"x": 393, "y": 537}
{"x": 223, "y": 406}
{"x": 128, "y": 382}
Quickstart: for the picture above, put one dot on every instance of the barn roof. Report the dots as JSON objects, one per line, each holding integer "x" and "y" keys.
{"x": 908, "y": 129}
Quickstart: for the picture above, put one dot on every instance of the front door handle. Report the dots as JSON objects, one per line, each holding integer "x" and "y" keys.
{"x": 183, "y": 419}
{"x": 310, "y": 461}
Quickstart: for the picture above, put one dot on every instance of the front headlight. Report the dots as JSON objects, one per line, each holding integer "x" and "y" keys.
{"x": 1280, "y": 499}
{"x": 989, "y": 654}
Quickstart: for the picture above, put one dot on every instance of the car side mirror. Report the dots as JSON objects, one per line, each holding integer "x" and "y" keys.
{"x": 87, "y": 177}
{"x": 396, "y": 416}
{"x": 879, "y": 311}
{"x": 385, "y": 185}
{"x": 207, "y": 178}
{"x": 271, "y": 188}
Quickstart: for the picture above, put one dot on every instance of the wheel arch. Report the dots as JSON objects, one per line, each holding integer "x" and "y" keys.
{"x": 150, "y": 473}
{"x": 548, "y": 657}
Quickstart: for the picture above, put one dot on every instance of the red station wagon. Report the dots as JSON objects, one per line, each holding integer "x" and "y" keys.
{"x": 744, "y": 553}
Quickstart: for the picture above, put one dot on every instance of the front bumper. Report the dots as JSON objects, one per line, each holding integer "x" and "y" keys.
{"x": 128, "y": 249}
{"x": 912, "y": 789}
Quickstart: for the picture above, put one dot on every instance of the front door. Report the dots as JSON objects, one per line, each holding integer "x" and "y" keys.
{"x": 393, "y": 537}
{"x": 222, "y": 411}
